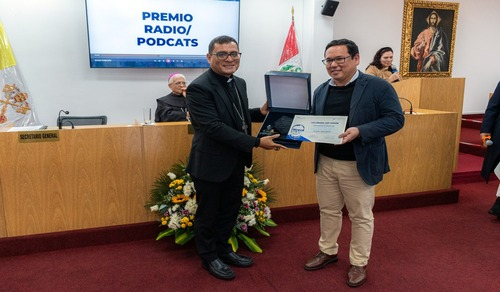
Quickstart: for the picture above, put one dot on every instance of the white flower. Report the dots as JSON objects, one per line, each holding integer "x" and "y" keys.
{"x": 250, "y": 219}
{"x": 250, "y": 196}
{"x": 188, "y": 188}
{"x": 172, "y": 176}
{"x": 247, "y": 169}
{"x": 174, "y": 221}
{"x": 246, "y": 181}
{"x": 266, "y": 181}
{"x": 154, "y": 208}
{"x": 191, "y": 206}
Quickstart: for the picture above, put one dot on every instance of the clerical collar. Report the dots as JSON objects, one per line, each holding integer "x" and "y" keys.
{"x": 221, "y": 78}
{"x": 356, "y": 75}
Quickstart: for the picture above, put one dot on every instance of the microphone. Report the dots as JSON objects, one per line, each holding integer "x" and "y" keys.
{"x": 68, "y": 121}
{"x": 487, "y": 140}
{"x": 59, "y": 122}
{"x": 394, "y": 69}
{"x": 411, "y": 105}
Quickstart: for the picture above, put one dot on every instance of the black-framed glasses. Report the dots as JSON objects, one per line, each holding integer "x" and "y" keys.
{"x": 224, "y": 55}
{"x": 338, "y": 60}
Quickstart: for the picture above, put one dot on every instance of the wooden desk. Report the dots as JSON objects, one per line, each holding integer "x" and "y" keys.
{"x": 97, "y": 176}
{"x": 421, "y": 157}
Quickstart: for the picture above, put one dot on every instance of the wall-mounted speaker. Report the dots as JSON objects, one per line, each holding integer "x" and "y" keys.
{"x": 329, "y": 7}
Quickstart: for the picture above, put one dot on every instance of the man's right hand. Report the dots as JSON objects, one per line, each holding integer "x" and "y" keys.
{"x": 267, "y": 143}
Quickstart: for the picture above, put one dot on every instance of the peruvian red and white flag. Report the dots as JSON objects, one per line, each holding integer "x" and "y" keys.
{"x": 290, "y": 57}
{"x": 16, "y": 108}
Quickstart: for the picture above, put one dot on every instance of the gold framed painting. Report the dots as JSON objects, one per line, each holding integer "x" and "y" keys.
{"x": 428, "y": 38}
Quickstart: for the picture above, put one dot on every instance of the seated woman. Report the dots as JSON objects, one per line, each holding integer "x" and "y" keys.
{"x": 172, "y": 107}
{"x": 382, "y": 67}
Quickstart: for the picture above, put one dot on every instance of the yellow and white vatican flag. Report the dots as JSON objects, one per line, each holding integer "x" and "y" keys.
{"x": 290, "y": 57}
{"x": 16, "y": 108}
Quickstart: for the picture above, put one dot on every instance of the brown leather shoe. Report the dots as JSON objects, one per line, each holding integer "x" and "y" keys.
{"x": 356, "y": 276}
{"x": 319, "y": 261}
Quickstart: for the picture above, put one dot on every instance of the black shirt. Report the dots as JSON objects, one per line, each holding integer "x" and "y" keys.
{"x": 337, "y": 103}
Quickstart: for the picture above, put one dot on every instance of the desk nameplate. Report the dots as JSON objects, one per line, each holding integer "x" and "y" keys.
{"x": 38, "y": 136}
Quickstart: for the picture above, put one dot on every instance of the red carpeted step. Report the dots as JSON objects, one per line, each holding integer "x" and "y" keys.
{"x": 474, "y": 149}
{"x": 470, "y": 136}
{"x": 473, "y": 116}
{"x": 472, "y": 124}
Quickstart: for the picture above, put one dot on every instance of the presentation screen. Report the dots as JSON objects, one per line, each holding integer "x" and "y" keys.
{"x": 157, "y": 33}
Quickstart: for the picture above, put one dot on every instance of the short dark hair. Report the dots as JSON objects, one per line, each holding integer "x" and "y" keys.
{"x": 378, "y": 55}
{"x": 352, "y": 48}
{"x": 223, "y": 39}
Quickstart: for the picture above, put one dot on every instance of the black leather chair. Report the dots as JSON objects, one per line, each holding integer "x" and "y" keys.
{"x": 81, "y": 121}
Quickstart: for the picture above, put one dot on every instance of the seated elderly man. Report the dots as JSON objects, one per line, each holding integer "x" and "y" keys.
{"x": 172, "y": 107}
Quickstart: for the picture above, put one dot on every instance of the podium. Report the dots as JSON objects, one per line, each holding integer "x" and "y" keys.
{"x": 441, "y": 94}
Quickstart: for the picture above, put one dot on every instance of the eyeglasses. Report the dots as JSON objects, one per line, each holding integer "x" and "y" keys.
{"x": 338, "y": 60}
{"x": 224, "y": 55}
{"x": 180, "y": 83}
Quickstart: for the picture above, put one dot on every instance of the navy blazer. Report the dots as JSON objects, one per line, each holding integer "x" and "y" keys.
{"x": 491, "y": 124}
{"x": 218, "y": 142}
{"x": 376, "y": 111}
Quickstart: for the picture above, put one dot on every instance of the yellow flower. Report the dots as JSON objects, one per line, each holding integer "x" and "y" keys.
{"x": 183, "y": 225}
{"x": 178, "y": 199}
{"x": 244, "y": 192}
{"x": 179, "y": 188}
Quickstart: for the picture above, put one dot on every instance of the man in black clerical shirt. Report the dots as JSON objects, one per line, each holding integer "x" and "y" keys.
{"x": 221, "y": 148}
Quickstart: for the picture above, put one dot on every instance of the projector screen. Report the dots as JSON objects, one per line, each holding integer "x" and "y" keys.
{"x": 157, "y": 33}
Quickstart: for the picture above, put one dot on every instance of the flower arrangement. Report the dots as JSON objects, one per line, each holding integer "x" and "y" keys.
{"x": 173, "y": 197}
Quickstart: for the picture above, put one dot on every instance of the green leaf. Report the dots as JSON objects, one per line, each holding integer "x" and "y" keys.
{"x": 233, "y": 241}
{"x": 250, "y": 243}
{"x": 182, "y": 238}
{"x": 262, "y": 231}
{"x": 165, "y": 233}
{"x": 270, "y": 223}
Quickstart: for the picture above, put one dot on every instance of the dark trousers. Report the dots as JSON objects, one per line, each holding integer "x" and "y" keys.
{"x": 218, "y": 206}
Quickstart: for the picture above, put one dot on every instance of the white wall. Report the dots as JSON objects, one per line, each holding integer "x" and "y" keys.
{"x": 50, "y": 44}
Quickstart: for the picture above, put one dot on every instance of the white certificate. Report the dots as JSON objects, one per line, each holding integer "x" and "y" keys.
{"x": 322, "y": 129}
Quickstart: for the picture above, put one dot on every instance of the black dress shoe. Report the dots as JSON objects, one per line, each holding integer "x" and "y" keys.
{"x": 236, "y": 260}
{"x": 495, "y": 210}
{"x": 219, "y": 269}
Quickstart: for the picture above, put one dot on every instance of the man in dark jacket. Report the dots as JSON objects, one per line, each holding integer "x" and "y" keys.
{"x": 222, "y": 146}
{"x": 346, "y": 174}
{"x": 489, "y": 131}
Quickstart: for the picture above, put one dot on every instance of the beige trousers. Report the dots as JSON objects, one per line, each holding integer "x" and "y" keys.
{"x": 338, "y": 183}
